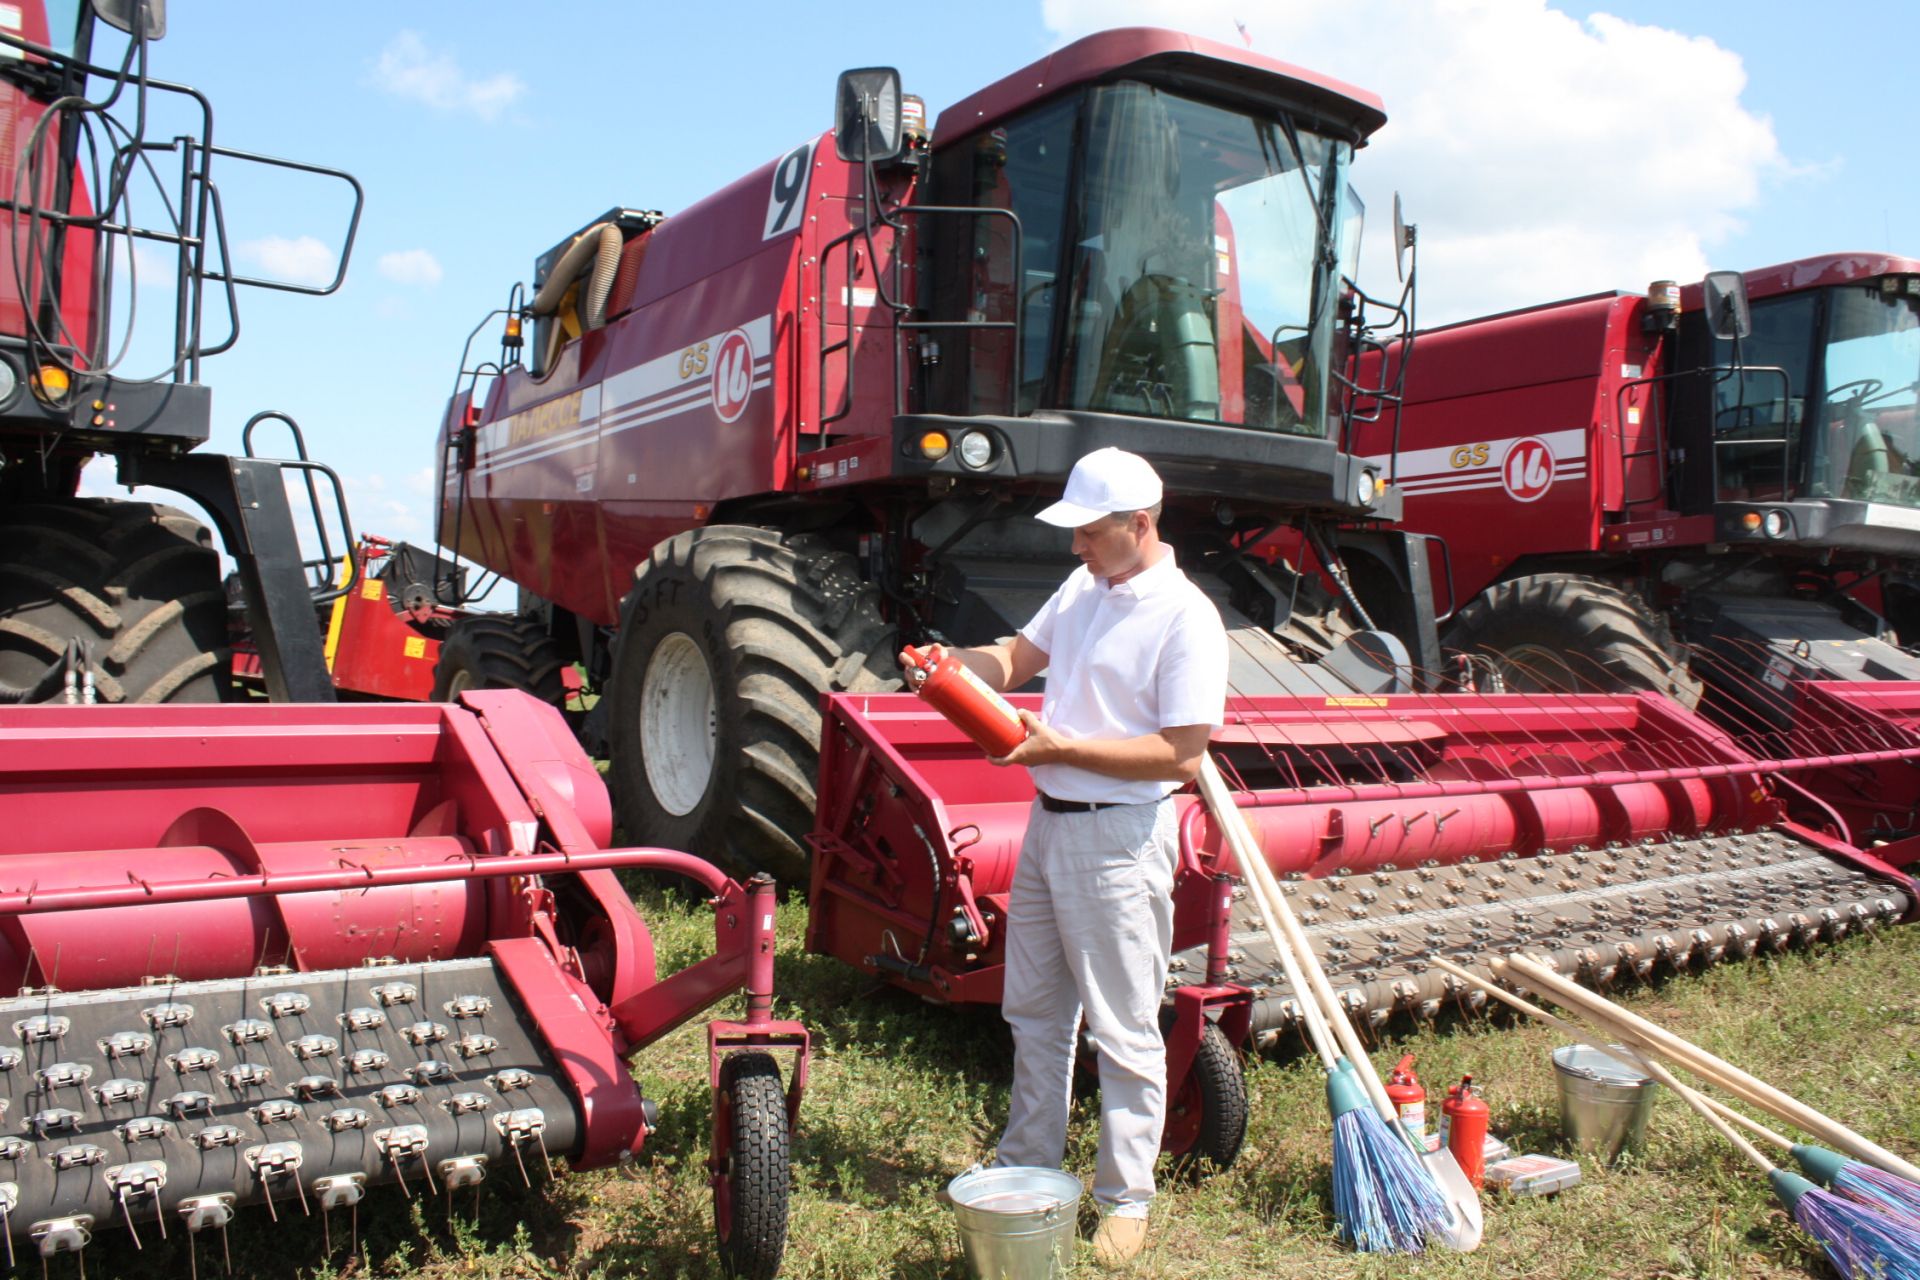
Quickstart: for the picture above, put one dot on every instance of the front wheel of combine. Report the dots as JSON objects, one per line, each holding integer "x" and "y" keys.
{"x": 1207, "y": 1114}
{"x": 751, "y": 1177}
{"x": 131, "y": 586}
{"x": 727, "y": 640}
{"x": 1556, "y": 633}
{"x": 499, "y": 651}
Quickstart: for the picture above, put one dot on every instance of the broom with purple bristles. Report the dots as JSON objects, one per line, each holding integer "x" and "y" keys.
{"x": 1868, "y": 1220}
{"x": 1884, "y": 1192}
{"x": 1860, "y": 1241}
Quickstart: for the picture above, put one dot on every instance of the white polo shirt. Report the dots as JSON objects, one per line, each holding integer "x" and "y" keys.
{"x": 1126, "y": 660}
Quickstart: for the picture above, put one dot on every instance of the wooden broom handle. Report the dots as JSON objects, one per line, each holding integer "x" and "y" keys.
{"x": 1579, "y": 1036}
{"x": 1213, "y": 792}
{"x": 1707, "y": 1066}
{"x": 1322, "y": 990}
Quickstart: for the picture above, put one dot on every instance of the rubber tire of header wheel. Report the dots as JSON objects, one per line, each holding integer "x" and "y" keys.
{"x": 499, "y": 651}
{"x": 1561, "y": 632}
{"x": 780, "y": 618}
{"x": 751, "y": 1142}
{"x": 138, "y": 582}
{"x": 1207, "y": 1111}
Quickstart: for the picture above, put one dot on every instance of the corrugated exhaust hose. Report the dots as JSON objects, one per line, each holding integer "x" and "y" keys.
{"x": 601, "y": 243}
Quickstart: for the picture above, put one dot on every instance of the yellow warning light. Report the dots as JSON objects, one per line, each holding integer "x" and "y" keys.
{"x": 512, "y": 336}
{"x": 50, "y": 382}
{"x": 934, "y": 445}
{"x": 1750, "y": 521}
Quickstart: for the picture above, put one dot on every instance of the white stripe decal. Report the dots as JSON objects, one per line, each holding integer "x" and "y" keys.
{"x": 1415, "y": 464}
{"x": 649, "y": 392}
{"x": 1464, "y": 486}
{"x": 626, "y": 407}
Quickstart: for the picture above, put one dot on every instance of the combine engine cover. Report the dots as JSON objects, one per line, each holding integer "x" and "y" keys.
{"x": 1617, "y": 833}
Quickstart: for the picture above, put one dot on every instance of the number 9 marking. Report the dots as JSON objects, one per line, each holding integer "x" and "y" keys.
{"x": 788, "y": 197}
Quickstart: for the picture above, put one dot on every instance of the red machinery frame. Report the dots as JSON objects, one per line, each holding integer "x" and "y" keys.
{"x": 118, "y": 816}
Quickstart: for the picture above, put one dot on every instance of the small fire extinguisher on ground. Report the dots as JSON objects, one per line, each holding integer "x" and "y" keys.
{"x": 1409, "y": 1099}
{"x": 1463, "y": 1129}
{"x": 961, "y": 696}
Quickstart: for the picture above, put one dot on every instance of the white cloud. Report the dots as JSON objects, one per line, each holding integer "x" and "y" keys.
{"x": 411, "y": 266}
{"x": 1542, "y": 155}
{"x": 406, "y": 68}
{"x": 300, "y": 260}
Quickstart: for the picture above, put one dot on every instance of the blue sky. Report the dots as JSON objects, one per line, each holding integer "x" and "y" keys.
{"x": 1544, "y": 150}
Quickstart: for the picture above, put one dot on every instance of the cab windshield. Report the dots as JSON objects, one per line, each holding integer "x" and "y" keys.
{"x": 1866, "y": 442}
{"x": 1825, "y": 393}
{"x": 1182, "y": 262}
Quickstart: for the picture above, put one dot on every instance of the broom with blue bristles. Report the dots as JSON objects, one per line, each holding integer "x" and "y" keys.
{"x": 1384, "y": 1201}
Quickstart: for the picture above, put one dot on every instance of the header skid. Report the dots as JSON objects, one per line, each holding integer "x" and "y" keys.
{"x": 1174, "y": 60}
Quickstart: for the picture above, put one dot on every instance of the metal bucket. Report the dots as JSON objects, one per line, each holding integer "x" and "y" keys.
{"x": 1016, "y": 1223}
{"x": 1604, "y": 1103}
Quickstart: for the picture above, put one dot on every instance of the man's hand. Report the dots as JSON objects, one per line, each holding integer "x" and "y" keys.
{"x": 1043, "y": 745}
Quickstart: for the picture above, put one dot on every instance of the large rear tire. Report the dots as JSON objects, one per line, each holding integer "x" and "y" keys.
{"x": 727, "y": 640}
{"x": 135, "y": 583}
{"x": 499, "y": 651}
{"x": 1558, "y": 632}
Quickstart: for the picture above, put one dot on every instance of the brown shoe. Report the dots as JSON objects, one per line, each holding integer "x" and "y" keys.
{"x": 1119, "y": 1240}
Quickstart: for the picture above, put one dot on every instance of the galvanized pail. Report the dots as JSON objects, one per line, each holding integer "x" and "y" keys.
{"x": 1603, "y": 1102}
{"x": 1016, "y": 1223}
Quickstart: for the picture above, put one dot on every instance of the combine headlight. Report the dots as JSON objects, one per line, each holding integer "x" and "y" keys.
{"x": 1777, "y": 524}
{"x": 1367, "y": 486}
{"x": 976, "y": 449}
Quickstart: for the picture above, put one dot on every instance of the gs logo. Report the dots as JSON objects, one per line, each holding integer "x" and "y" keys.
{"x": 693, "y": 361}
{"x": 1468, "y": 455}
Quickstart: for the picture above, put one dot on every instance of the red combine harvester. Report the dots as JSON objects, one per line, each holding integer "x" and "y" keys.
{"x": 1709, "y": 490}
{"x": 279, "y": 954}
{"x": 750, "y": 449}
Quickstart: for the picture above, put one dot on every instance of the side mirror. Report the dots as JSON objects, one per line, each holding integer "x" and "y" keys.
{"x": 120, "y": 14}
{"x": 1726, "y": 301}
{"x": 1404, "y": 233}
{"x": 866, "y": 118}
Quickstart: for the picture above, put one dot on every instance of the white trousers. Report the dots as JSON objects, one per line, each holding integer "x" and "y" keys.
{"x": 1090, "y": 930}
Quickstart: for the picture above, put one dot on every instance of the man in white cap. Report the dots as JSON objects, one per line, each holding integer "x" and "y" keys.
{"x": 1136, "y": 662}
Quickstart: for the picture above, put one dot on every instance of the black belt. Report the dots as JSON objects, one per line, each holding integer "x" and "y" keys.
{"x": 1052, "y": 805}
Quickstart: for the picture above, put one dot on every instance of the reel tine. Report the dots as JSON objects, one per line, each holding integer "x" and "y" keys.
{"x": 127, "y": 1213}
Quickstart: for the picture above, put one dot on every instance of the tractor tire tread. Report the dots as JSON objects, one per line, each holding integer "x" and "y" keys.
{"x": 136, "y": 582}
{"x": 789, "y": 611}
{"x": 1617, "y": 639}
{"x": 500, "y": 651}
{"x": 758, "y": 1158}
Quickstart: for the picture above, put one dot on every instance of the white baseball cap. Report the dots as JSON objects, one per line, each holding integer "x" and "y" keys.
{"x": 1105, "y": 481}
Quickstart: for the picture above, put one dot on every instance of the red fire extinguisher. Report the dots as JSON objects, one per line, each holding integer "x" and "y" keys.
{"x": 964, "y": 698}
{"x": 1463, "y": 1129}
{"x": 1409, "y": 1099}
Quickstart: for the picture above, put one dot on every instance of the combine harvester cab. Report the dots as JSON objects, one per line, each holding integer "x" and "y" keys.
{"x": 279, "y": 955}
{"x": 1616, "y": 833}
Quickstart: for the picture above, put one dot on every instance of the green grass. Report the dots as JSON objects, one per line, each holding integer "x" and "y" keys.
{"x": 903, "y": 1095}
